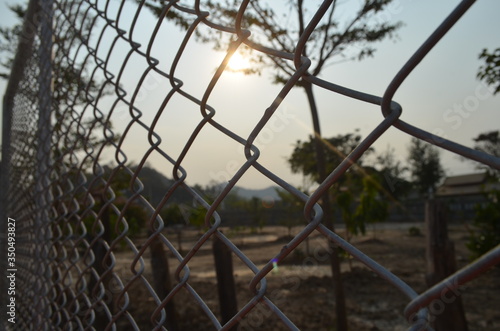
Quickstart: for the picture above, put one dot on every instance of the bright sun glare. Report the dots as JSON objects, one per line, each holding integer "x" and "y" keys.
{"x": 238, "y": 62}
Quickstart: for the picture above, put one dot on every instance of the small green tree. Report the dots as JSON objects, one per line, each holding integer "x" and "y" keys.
{"x": 485, "y": 234}
{"x": 393, "y": 174}
{"x": 362, "y": 182}
{"x": 172, "y": 214}
{"x": 345, "y": 202}
{"x": 425, "y": 166}
{"x": 210, "y": 193}
{"x": 338, "y": 147}
{"x": 373, "y": 208}
{"x": 486, "y": 226}
{"x": 349, "y": 185}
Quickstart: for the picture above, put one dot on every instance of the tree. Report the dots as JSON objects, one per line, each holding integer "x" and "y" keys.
{"x": 393, "y": 173}
{"x": 303, "y": 158}
{"x": 486, "y": 232}
{"x": 350, "y": 184}
{"x": 345, "y": 201}
{"x": 488, "y": 142}
{"x": 425, "y": 166}
{"x": 209, "y": 193}
{"x": 9, "y": 37}
{"x": 489, "y": 72}
{"x": 314, "y": 161}
{"x": 372, "y": 206}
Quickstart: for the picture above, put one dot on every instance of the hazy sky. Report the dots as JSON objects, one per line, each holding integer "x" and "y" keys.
{"x": 442, "y": 96}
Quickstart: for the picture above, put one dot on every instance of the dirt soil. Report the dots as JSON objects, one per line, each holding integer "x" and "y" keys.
{"x": 301, "y": 287}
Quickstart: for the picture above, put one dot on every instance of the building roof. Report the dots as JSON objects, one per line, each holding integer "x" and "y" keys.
{"x": 469, "y": 179}
{"x": 469, "y": 184}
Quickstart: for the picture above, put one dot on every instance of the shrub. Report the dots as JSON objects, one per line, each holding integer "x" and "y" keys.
{"x": 485, "y": 234}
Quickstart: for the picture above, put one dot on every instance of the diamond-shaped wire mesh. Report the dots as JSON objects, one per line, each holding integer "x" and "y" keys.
{"x": 77, "y": 110}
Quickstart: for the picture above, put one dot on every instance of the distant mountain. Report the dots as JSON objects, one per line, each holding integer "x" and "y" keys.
{"x": 263, "y": 194}
{"x": 156, "y": 184}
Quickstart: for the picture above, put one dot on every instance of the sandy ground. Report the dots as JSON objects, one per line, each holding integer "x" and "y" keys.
{"x": 301, "y": 287}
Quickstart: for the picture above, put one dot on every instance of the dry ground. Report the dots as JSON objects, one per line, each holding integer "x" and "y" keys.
{"x": 301, "y": 287}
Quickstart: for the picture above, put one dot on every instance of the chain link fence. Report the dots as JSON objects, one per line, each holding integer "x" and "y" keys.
{"x": 91, "y": 251}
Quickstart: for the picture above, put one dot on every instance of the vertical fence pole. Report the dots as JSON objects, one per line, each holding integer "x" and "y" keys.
{"x": 4, "y": 193}
{"x": 43, "y": 155}
{"x": 448, "y": 312}
{"x": 162, "y": 282}
{"x": 43, "y": 158}
{"x": 225, "y": 281}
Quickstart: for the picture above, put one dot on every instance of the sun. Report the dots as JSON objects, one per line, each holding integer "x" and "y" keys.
{"x": 238, "y": 63}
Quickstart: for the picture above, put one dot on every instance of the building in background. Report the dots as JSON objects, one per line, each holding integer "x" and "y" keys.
{"x": 462, "y": 193}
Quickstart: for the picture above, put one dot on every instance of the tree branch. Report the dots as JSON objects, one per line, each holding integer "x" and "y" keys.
{"x": 300, "y": 12}
{"x": 327, "y": 30}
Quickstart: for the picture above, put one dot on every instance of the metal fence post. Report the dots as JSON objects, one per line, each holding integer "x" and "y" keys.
{"x": 441, "y": 263}
{"x": 43, "y": 158}
{"x": 4, "y": 183}
{"x": 43, "y": 154}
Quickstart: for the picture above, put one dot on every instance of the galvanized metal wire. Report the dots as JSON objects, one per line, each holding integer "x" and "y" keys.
{"x": 58, "y": 112}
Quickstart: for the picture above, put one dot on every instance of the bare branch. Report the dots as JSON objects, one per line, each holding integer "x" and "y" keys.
{"x": 329, "y": 24}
